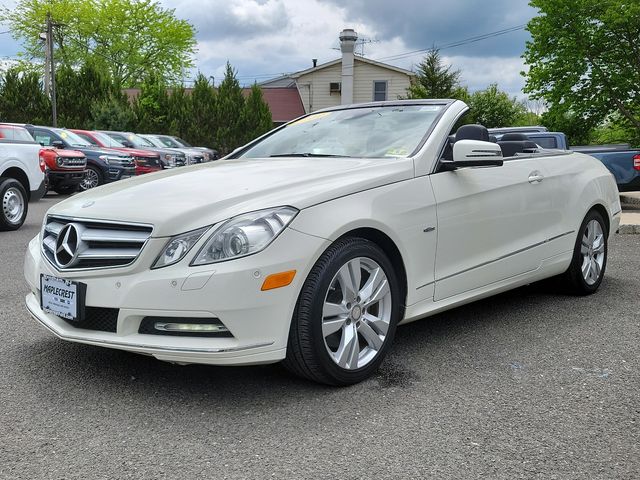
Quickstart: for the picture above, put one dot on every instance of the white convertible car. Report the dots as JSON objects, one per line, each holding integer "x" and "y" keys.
{"x": 312, "y": 243}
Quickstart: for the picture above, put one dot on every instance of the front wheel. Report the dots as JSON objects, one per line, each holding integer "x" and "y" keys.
{"x": 92, "y": 179}
{"x": 14, "y": 207}
{"x": 346, "y": 315}
{"x": 589, "y": 261}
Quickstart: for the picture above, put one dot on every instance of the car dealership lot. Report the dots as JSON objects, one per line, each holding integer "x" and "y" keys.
{"x": 524, "y": 385}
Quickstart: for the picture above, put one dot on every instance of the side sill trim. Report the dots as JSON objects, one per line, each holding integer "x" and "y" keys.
{"x": 484, "y": 264}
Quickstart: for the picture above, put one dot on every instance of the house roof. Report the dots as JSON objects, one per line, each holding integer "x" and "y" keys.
{"x": 285, "y": 103}
{"x": 357, "y": 59}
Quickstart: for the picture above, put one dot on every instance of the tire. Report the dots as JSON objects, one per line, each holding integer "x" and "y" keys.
{"x": 585, "y": 274}
{"x": 66, "y": 189}
{"x": 14, "y": 204}
{"x": 92, "y": 178}
{"x": 327, "y": 307}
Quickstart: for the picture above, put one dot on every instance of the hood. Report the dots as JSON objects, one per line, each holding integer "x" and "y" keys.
{"x": 98, "y": 151}
{"x": 186, "y": 198}
{"x": 63, "y": 152}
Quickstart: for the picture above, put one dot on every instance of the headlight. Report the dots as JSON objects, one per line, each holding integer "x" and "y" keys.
{"x": 59, "y": 161}
{"x": 178, "y": 247}
{"x": 244, "y": 235}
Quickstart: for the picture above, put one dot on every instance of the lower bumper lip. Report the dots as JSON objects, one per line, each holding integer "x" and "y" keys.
{"x": 137, "y": 346}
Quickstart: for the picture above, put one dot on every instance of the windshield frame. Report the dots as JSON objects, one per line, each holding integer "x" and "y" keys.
{"x": 444, "y": 103}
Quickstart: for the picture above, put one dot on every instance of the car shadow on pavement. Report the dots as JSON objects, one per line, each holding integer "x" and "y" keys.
{"x": 112, "y": 373}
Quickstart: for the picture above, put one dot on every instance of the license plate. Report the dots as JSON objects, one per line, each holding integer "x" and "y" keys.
{"x": 63, "y": 298}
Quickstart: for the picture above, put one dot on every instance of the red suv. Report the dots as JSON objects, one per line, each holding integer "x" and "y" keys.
{"x": 145, "y": 161}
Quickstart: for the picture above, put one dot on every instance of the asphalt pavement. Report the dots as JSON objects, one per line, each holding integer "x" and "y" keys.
{"x": 528, "y": 384}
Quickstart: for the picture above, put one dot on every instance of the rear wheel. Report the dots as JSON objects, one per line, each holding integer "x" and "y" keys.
{"x": 589, "y": 261}
{"x": 346, "y": 316}
{"x": 14, "y": 204}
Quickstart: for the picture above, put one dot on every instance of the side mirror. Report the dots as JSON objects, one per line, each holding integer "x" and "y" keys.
{"x": 57, "y": 144}
{"x": 127, "y": 144}
{"x": 474, "y": 153}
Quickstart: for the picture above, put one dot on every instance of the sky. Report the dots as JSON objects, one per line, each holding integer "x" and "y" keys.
{"x": 266, "y": 38}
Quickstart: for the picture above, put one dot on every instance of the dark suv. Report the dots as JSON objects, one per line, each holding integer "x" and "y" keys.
{"x": 103, "y": 164}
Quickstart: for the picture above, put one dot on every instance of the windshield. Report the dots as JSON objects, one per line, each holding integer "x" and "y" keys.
{"x": 138, "y": 141}
{"x": 107, "y": 141}
{"x": 71, "y": 138}
{"x": 168, "y": 142}
{"x": 370, "y": 132}
{"x": 181, "y": 142}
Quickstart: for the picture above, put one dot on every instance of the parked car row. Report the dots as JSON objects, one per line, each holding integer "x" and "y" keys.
{"x": 84, "y": 159}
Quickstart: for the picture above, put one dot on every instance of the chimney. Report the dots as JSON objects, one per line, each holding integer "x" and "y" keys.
{"x": 348, "y": 39}
{"x": 315, "y": 62}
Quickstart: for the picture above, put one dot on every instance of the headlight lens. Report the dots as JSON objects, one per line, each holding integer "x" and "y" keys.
{"x": 245, "y": 235}
{"x": 178, "y": 247}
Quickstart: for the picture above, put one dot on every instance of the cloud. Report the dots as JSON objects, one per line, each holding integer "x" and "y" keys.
{"x": 424, "y": 23}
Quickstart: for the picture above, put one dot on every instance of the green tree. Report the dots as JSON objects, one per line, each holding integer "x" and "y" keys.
{"x": 202, "y": 129}
{"x": 78, "y": 90}
{"x": 435, "y": 80}
{"x": 229, "y": 118}
{"x": 130, "y": 39}
{"x": 113, "y": 113}
{"x": 257, "y": 116}
{"x": 584, "y": 58}
{"x": 179, "y": 108}
{"x": 494, "y": 108}
{"x": 578, "y": 129}
{"x": 22, "y": 98}
{"x": 151, "y": 106}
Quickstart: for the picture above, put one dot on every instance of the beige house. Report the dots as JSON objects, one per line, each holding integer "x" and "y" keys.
{"x": 349, "y": 79}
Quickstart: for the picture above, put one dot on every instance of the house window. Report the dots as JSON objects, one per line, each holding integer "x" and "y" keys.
{"x": 379, "y": 90}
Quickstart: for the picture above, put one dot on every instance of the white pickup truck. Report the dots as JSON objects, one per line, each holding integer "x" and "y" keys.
{"x": 22, "y": 177}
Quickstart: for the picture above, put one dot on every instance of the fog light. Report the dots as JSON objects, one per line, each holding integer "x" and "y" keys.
{"x": 184, "y": 327}
{"x": 190, "y": 327}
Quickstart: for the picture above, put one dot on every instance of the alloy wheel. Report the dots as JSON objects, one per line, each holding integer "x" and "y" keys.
{"x": 90, "y": 180}
{"x": 592, "y": 250}
{"x": 13, "y": 205}
{"x": 356, "y": 313}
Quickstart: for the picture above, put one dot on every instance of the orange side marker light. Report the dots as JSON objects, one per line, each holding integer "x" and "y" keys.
{"x": 278, "y": 280}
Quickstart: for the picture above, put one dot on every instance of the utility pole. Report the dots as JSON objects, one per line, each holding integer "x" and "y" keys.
{"x": 50, "y": 70}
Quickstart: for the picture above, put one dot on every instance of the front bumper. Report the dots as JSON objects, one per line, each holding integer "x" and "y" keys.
{"x": 230, "y": 291}
{"x": 64, "y": 178}
{"x": 119, "y": 173}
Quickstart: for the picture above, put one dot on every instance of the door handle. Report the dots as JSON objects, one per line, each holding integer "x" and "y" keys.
{"x": 535, "y": 177}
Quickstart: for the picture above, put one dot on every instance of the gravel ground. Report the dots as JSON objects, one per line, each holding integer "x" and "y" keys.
{"x": 527, "y": 384}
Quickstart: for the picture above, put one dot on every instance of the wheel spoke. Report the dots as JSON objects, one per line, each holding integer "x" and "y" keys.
{"x": 379, "y": 293}
{"x": 349, "y": 277}
{"x": 348, "y": 343}
{"x": 379, "y": 325}
{"x": 376, "y": 277}
{"x": 586, "y": 267}
{"x": 331, "y": 310}
{"x": 332, "y": 326}
{"x": 370, "y": 336}
{"x": 598, "y": 244}
{"x": 596, "y": 269}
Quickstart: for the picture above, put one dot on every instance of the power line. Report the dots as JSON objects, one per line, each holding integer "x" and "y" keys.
{"x": 399, "y": 56}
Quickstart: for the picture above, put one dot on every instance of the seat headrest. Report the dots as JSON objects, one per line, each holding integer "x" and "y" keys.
{"x": 514, "y": 137}
{"x": 472, "y": 132}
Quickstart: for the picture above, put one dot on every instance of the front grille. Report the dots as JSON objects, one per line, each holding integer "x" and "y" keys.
{"x": 125, "y": 162}
{"x": 97, "y": 318}
{"x": 73, "y": 162}
{"x": 148, "y": 161}
{"x": 92, "y": 243}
